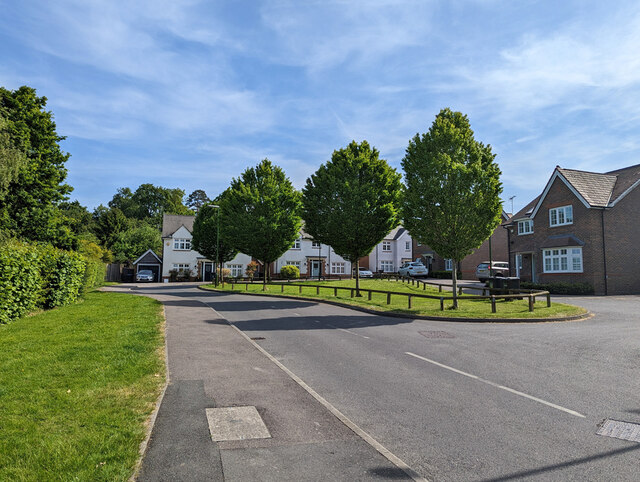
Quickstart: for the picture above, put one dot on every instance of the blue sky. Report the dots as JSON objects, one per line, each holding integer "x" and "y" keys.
{"x": 187, "y": 93}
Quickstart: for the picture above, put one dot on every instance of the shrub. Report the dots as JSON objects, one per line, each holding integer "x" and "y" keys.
{"x": 443, "y": 274}
{"x": 559, "y": 288}
{"x": 290, "y": 272}
{"x": 20, "y": 280}
{"x": 252, "y": 269}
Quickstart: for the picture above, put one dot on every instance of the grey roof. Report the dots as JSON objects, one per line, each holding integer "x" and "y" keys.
{"x": 595, "y": 188}
{"x": 560, "y": 240}
{"x": 172, "y": 222}
{"x": 397, "y": 232}
{"x": 525, "y": 211}
{"x": 625, "y": 179}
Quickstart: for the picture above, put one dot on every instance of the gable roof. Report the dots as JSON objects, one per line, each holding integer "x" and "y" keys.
{"x": 172, "y": 222}
{"x": 593, "y": 189}
{"x": 148, "y": 251}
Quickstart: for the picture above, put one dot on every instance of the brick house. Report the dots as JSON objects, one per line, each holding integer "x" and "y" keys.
{"x": 581, "y": 229}
{"x": 467, "y": 267}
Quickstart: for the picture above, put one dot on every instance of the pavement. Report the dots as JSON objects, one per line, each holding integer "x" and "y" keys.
{"x": 454, "y": 401}
{"x": 212, "y": 365}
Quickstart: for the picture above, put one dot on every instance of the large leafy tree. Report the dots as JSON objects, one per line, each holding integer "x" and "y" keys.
{"x": 452, "y": 196}
{"x": 128, "y": 245}
{"x": 261, "y": 213}
{"x": 206, "y": 228}
{"x": 30, "y": 207}
{"x": 351, "y": 202}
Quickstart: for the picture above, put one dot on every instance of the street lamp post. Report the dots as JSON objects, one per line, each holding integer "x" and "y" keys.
{"x": 215, "y": 206}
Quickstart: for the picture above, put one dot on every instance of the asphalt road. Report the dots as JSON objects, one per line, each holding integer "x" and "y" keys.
{"x": 460, "y": 401}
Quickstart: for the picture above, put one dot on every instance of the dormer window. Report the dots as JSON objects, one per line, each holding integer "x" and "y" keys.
{"x": 525, "y": 227}
{"x": 315, "y": 244}
{"x": 561, "y": 216}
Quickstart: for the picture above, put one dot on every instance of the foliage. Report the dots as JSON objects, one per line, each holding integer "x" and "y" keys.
{"x": 197, "y": 199}
{"x": 30, "y": 210}
{"x": 78, "y": 217}
{"x": 251, "y": 269}
{"x": 130, "y": 244}
{"x": 149, "y": 203}
{"x": 452, "y": 196}
{"x": 12, "y": 160}
{"x": 205, "y": 236}
{"x": 351, "y": 202}
{"x": 109, "y": 223}
{"x": 444, "y": 274}
{"x": 261, "y": 213}
{"x": 37, "y": 276}
{"x": 290, "y": 272}
{"x": 77, "y": 385}
{"x": 559, "y": 288}
{"x": 95, "y": 259}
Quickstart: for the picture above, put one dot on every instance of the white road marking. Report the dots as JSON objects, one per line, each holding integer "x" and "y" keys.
{"x": 493, "y": 384}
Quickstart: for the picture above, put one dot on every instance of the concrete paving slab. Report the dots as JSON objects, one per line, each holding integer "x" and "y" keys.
{"x": 236, "y": 423}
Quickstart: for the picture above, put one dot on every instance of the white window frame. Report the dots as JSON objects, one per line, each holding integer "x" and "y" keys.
{"x": 297, "y": 244}
{"x": 338, "y": 268}
{"x": 407, "y": 245}
{"x": 525, "y": 227}
{"x": 294, "y": 263}
{"x": 315, "y": 244}
{"x": 565, "y": 259}
{"x": 182, "y": 244}
{"x": 236, "y": 270}
{"x": 182, "y": 267}
{"x": 448, "y": 265}
{"x": 561, "y": 216}
{"x": 386, "y": 266}
{"x": 386, "y": 246}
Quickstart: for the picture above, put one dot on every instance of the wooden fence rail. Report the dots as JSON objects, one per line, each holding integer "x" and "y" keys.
{"x": 531, "y": 295}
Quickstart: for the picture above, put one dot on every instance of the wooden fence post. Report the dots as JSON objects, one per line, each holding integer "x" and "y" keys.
{"x": 246, "y": 286}
{"x": 318, "y": 290}
{"x": 335, "y": 291}
{"x": 369, "y": 295}
{"x": 460, "y": 290}
{"x": 300, "y": 289}
{"x": 424, "y": 286}
{"x": 530, "y": 302}
{"x": 493, "y": 303}
{"x": 388, "y": 298}
{"x": 440, "y": 288}
{"x": 441, "y": 303}
{"x": 548, "y": 300}
{"x": 232, "y": 286}
{"x": 352, "y": 290}
{"x": 409, "y": 301}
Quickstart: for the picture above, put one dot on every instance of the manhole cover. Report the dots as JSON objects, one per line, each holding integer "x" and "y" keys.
{"x": 436, "y": 334}
{"x": 257, "y": 337}
{"x": 622, "y": 430}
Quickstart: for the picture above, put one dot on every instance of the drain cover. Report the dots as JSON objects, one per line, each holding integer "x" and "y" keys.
{"x": 236, "y": 423}
{"x": 622, "y": 430}
{"x": 436, "y": 334}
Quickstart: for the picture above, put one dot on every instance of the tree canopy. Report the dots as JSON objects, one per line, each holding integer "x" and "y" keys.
{"x": 128, "y": 245}
{"x": 261, "y": 213}
{"x": 197, "y": 199}
{"x": 205, "y": 235}
{"x": 351, "y": 202}
{"x": 452, "y": 197}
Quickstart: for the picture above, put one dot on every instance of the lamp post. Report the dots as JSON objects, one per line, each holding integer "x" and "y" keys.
{"x": 215, "y": 206}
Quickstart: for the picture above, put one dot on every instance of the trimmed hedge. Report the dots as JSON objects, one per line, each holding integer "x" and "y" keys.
{"x": 41, "y": 276}
{"x": 290, "y": 272}
{"x": 443, "y": 274}
{"x": 559, "y": 288}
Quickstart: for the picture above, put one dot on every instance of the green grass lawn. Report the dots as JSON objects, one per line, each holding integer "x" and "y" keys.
{"x": 77, "y": 385}
{"x": 466, "y": 308}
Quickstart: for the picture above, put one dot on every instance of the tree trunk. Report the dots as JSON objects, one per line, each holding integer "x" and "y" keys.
{"x": 358, "y": 278}
{"x": 264, "y": 278}
{"x": 454, "y": 278}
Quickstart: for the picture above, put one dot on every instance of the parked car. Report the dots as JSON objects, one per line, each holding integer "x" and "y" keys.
{"x": 145, "y": 275}
{"x": 498, "y": 268}
{"x": 364, "y": 272}
{"x": 414, "y": 269}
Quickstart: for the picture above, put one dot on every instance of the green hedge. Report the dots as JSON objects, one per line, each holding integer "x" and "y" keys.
{"x": 443, "y": 274}
{"x": 41, "y": 276}
{"x": 559, "y": 288}
{"x": 290, "y": 272}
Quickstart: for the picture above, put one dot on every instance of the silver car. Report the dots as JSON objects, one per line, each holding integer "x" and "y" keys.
{"x": 145, "y": 275}
{"x": 498, "y": 268}
{"x": 414, "y": 269}
{"x": 364, "y": 272}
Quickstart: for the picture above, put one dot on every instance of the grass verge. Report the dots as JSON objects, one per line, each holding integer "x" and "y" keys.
{"x": 420, "y": 306}
{"x": 77, "y": 385}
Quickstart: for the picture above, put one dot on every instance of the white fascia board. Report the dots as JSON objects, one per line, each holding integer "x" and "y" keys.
{"x": 145, "y": 253}
{"x": 633, "y": 186}
{"x": 557, "y": 175}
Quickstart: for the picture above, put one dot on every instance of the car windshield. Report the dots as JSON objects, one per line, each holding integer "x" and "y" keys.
{"x": 483, "y": 265}
{"x": 145, "y": 271}
{"x": 501, "y": 265}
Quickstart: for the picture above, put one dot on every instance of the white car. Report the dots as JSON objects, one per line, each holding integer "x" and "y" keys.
{"x": 364, "y": 272}
{"x": 498, "y": 268}
{"x": 414, "y": 269}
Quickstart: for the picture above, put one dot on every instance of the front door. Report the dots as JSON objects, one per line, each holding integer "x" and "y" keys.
{"x": 315, "y": 268}
{"x": 207, "y": 274}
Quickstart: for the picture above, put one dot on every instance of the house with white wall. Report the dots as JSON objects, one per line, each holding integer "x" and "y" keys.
{"x": 178, "y": 255}
{"x": 395, "y": 249}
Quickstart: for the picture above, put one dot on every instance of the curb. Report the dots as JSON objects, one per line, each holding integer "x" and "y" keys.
{"x": 582, "y": 317}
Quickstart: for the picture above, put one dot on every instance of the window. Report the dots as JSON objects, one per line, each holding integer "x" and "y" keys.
{"x": 183, "y": 244}
{"x": 562, "y": 260}
{"x": 294, "y": 263}
{"x": 337, "y": 268}
{"x": 386, "y": 266}
{"x": 296, "y": 244}
{"x": 236, "y": 270}
{"x": 407, "y": 245}
{"x": 181, "y": 267}
{"x": 448, "y": 265}
{"x": 315, "y": 244}
{"x": 386, "y": 246}
{"x": 525, "y": 227}
{"x": 560, "y": 216}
